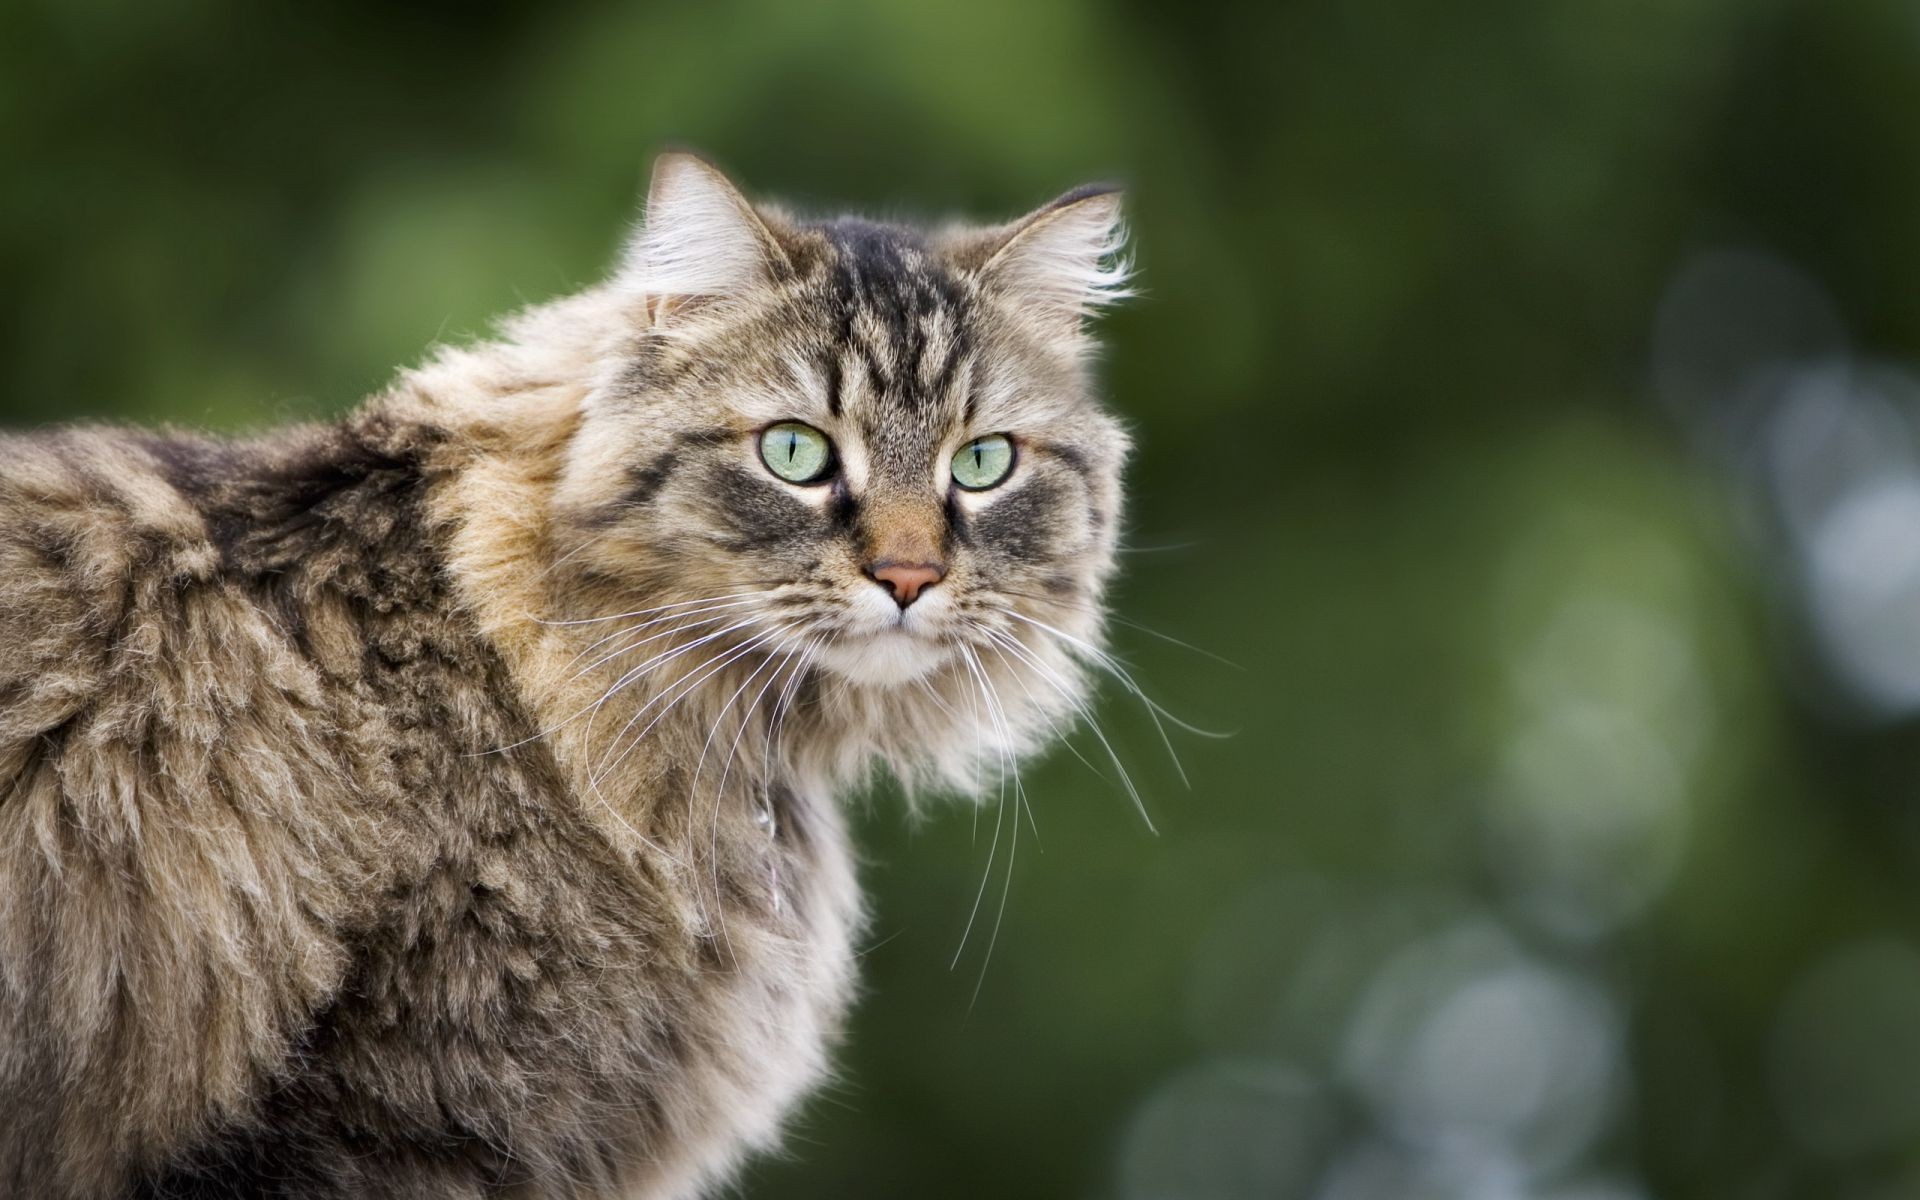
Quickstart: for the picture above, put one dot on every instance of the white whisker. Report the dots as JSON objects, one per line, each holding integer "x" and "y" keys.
{"x": 1048, "y": 675}
{"x": 784, "y": 701}
{"x": 720, "y": 789}
{"x": 642, "y": 612}
{"x": 704, "y": 672}
{"x": 993, "y": 847}
{"x": 1113, "y": 667}
{"x": 1008, "y": 763}
{"x": 680, "y": 626}
{"x": 673, "y": 616}
{"x": 1053, "y": 726}
{"x": 1151, "y": 632}
{"x": 618, "y": 685}
{"x": 634, "y": 674}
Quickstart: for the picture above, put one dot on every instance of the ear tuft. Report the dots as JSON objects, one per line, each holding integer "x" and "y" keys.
{"x": 1066, "y": 259}
{"x": 699, "y": 237}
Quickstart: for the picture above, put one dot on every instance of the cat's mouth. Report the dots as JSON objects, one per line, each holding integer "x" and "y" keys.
{"x": 883, "y": 645}
{"x": 885, "y": 657}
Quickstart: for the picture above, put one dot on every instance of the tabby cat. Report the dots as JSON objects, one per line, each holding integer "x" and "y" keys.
{"x": 446, "y": 801}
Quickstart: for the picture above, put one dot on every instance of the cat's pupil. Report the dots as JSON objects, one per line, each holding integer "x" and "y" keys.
{"x": 977, "y": 454}
{"x": 793, "y": 445}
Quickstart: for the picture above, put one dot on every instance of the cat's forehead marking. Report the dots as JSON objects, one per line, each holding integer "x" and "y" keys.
{"x": 901, "y": 322}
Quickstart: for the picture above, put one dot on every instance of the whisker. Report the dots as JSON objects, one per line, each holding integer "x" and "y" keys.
{"x": 1053, "y": 726}
{"x": 720, "y": 789}
{"x": 1118, "y": 619}
{"x": 704, "y": 672}
{"x": 993, "y": 847}
{"x": 564, "y": 559}
{"x": 1164, "y": 548}
{"x": 1008, "y": 762}
{"x": 782, "y": 703}
{"x": 634, "y": 674}
{"x": 673, "y": 616}
{"x": 630, "y": 677}
{"x": 620, "y": 684}
{"x": 701, "y": 763}
{"x": 1113, "y": 667}
{"x": 933, "y": 695}
{"x": 1171, "y": 640}
{"x": 1047, "y": 674}
{"x": 1010, "y": 755}
{"x": 642, "y": 612}
{"x": 683, "y": 626}
{"x": 1119, "y": 671}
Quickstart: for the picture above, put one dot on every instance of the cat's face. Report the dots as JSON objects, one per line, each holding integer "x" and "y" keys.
{"x": 856, "y": 441}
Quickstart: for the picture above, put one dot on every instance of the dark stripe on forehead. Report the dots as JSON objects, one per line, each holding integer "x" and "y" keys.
{"x": 872, "y": 251}
{"x": 889, "y": 292}
{"x": 879, "y": 379}
{"x": 834, "y": 403}
{"x": 959, "y": 351}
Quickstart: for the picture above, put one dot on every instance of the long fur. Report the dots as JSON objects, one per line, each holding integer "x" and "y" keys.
{"x": 444, "y": 802}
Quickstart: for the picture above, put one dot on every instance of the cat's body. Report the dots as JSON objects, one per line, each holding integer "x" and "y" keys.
{"x": 283, "y": 903}
{"x": 396, "y": 807}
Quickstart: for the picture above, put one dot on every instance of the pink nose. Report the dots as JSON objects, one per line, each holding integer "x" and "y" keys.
{"x": 906, "y": 580}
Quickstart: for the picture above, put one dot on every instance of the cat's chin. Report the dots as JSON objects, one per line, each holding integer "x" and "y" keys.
{"x": 885, "y": 658}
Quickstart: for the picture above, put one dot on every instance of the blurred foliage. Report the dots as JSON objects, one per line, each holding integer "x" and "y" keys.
{"x": 1543, "y": 860}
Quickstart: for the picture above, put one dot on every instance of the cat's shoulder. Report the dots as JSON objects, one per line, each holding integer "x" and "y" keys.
{"x": 83, "y": 513}
{"x": 87, "y": 518}
{"x": 79, "y": 492}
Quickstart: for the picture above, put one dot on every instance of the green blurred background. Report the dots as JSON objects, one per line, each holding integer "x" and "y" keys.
{"x": 1526, "y": 408}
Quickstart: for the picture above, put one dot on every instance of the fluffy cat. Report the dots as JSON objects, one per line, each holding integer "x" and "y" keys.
{"x": 445, "y": 801}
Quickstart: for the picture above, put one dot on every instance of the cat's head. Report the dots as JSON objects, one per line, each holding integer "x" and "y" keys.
{"x": 871, "y": 443}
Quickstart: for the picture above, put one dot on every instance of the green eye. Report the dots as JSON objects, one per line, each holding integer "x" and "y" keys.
{"x": 983, "y": 462}
{"x": 796, "y": 453}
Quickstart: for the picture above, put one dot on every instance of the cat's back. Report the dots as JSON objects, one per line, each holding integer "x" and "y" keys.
{"x": 87, "y": 522}
{"x": 165, "y": 598}
{"x": 237, "y": 714}
{"x": 162, "y": 744}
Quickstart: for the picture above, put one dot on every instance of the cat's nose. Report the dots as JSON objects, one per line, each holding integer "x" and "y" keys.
{"x": 906, "y": 580}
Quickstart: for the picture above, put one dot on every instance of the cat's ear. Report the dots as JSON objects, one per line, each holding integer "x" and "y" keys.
{"x": 1063, "y": 261}
{"x": 699, "y": 239}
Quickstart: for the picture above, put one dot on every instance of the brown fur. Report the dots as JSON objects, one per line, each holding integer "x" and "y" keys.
{"x": 338, "y": 857}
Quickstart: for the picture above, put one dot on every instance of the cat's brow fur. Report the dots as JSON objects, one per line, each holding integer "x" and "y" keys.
{"x": 332, "y": 863}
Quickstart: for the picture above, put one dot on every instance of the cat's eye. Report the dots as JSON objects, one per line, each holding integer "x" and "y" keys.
{"x": 796, "y": 453}
{"x": 983, "y": 462}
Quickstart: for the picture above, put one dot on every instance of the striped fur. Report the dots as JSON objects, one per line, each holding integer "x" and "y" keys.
{"x": 342, "y": 850}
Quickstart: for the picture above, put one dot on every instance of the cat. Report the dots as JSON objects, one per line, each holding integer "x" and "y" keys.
{"x": 446, "y": 801}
